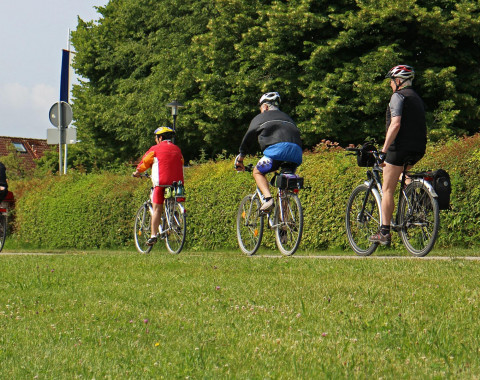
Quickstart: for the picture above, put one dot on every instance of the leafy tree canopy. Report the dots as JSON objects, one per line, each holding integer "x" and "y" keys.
{"x": 326, "y": 58}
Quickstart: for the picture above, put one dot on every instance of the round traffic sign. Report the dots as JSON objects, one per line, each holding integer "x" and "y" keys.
{"x": 65, "y": 110}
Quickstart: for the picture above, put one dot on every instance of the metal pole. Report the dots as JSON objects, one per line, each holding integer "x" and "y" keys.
{"x": 60, "y": 133}
{"x": 174, "y": 120}
{"x": 65, "y": 162}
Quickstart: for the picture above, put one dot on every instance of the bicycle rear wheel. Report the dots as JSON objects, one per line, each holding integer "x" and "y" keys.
{"x": 143, "y": 227}
{"x": 289, "y": 223}
{"x": 362, "y": 222}
{"x": 177, "y": 228}
{"x": 419, "y": 219}
{"x": 249, "y": 225}
{"x": 3, "y": 230}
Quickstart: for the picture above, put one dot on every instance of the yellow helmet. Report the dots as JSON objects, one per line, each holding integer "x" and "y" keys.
{"x": 162, "y": 130}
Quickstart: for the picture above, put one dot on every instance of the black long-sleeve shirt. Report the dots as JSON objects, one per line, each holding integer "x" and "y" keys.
{"x": 268, "y": 128}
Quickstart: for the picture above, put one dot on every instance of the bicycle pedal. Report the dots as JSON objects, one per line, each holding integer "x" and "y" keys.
{"x": 395, "y": 228}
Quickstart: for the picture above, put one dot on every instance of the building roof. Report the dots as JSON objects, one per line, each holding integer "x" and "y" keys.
{"x": 28, "y": 149}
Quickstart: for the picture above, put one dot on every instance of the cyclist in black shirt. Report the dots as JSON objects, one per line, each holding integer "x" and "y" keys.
{"x": 279, "y": 140}
{"x": 3, "y": 182}
{"x": 406, "y": 139}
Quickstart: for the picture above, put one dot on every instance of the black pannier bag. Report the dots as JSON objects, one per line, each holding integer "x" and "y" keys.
{"x": 289, "y": 181}
{"x": 364, "y": 157}
{"x": 443, "y": 188}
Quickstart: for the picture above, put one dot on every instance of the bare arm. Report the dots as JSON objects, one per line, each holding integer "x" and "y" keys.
{"x": 392, "y": 132}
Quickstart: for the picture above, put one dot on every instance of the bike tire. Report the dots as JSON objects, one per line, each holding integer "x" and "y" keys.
{"x": 288, "y": 232}
{"x": 143, "y": 226}
{"x": 177, "y": 232}
{"x": 250, "y": 224}
{"x": 419, "y": 219}
{"x": 3, "y": 231}
{"x": 361, "y": 225}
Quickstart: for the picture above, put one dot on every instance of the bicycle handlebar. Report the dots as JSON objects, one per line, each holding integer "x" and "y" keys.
{"x": 144, "y": 175}
{"x": 249, "y": 168}
{"x": 374, "y": 152}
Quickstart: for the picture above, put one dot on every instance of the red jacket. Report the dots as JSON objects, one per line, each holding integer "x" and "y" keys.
{"x": 166, "y": 161}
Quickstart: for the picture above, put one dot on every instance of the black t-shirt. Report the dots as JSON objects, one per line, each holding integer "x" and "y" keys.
{"x": 3, "y": 175}
{"x": 268, "y": 128}
{"x": 412, "y": 135}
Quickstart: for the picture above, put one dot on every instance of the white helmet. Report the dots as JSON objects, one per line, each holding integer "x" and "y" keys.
{"x": 401, "y": 71}
{"x": 270, "y": 97}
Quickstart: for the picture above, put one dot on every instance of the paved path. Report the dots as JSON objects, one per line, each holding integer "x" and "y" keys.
{"x": 318, "y": 257}
{"x": 341, "y": 257}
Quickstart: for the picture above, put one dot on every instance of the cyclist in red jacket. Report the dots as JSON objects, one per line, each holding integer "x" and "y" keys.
{"x": 166, "y": 161}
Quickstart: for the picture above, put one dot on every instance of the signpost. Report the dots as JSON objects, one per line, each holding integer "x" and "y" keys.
{"x": 61, "y": 116}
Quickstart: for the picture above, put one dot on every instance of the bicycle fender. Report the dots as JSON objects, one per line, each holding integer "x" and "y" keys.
{"x": 181, "y": 208}
{"x": 376, "y": 188}
{"x": 429, "y": 187}
{"x": 377, "y": 196}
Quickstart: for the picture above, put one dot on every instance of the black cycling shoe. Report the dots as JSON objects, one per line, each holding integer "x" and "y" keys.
{"x": 152, "y": 240}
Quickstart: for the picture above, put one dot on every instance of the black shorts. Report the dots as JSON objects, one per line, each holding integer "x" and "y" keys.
{"x": 402, "y": 157}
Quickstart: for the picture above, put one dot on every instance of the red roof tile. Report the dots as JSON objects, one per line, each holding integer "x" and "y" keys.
{"x": 35, "y": 148}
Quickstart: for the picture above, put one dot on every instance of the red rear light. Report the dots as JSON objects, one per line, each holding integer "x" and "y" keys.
{"x": 296, "y": 191}
{"x": 180, "y": 199}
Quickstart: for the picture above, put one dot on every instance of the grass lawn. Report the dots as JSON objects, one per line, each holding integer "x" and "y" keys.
{"x": 224, "y": 315}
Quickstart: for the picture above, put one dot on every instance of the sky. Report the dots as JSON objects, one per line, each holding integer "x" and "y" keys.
{"x": 32, "y": 36}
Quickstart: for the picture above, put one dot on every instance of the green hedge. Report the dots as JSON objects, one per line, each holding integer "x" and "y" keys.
{"x": 97, "y": 210}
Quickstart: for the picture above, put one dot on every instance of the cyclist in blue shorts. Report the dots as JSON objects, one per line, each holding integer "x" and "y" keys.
{"x": 279, "y": 140}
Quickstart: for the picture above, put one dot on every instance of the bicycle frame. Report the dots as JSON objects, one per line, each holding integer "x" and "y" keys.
{"x": 172, "y": 226}
{"x": 169, "y": 214}
{"x": 416, "y": 219}
{"x": 286, "y": 219}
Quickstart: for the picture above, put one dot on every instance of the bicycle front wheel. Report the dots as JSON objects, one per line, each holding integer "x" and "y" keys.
{"x": 143, "y": 226}
{"x": 289, "y": 223}
{"x": 362, "y": 220}
{"x": 249, "y": 225}
{"x": 3, "y": 230}
{"x": 419, "y": 219}
{"x": 177, "y": 229}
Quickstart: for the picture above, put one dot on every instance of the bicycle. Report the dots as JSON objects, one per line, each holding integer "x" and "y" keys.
{"x": 286, "y": 218}
{"x": 417, "y": 220}
{"x": 173, "y": 225}
{"x": 4, "y": 208}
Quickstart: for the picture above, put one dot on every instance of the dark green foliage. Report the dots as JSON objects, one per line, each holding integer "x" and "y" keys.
{"x": 327, "y": 59}
{"x": 97, "y": 210}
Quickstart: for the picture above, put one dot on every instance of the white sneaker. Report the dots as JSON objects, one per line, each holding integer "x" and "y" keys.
{"x": 267, "y": 206}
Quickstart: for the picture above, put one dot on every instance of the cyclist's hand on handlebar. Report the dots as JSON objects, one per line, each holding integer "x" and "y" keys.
{"x": 136, "y": 174}
{"x": 382, "y": 156}
{"x": 239, "y": 166}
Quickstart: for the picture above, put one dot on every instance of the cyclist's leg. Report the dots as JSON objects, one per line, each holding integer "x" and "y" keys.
{"x": 264, "y": 165}
{"x": 391, "y": 174}
{"x": 157, "y": 203}
{"x": 409, "y": 158}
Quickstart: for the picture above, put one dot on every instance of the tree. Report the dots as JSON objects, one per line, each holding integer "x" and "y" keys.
{"x": 327, "y": 59}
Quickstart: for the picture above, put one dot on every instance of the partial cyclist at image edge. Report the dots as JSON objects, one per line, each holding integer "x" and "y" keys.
{"x": 3, "y": 182}
{"x": 405, "y": 140}
{"x": 279, "y": 140}
{"x": 166, "y": 161}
